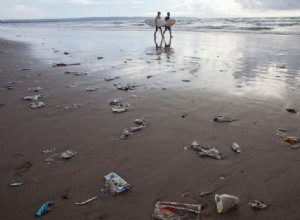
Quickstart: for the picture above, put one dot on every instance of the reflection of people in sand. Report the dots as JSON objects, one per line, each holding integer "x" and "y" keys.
{"x": 156, "y": 44}
{"x": 166, "y": 49}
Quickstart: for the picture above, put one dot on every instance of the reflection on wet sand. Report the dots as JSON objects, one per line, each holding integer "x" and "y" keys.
{"x": 167, "y": 49}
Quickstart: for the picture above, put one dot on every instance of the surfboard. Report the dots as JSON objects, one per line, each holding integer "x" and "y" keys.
{"x": 170, "y": 22}
{"x": 151, "y": 22}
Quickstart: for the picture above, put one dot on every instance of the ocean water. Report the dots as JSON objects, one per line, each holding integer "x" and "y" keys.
{"x": 284, "y": 25}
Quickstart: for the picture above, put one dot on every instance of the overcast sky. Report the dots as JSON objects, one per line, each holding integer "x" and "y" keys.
{"x": 32, "y": 9}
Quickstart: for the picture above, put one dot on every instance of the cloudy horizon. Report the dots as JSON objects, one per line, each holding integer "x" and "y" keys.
{"x": 47, "y": 9}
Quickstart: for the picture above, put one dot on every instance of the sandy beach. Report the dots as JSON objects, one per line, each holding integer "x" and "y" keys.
{"x": 178, "y": 88}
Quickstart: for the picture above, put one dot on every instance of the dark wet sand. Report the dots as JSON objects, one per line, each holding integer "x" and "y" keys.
{"x": 152, "y": 160}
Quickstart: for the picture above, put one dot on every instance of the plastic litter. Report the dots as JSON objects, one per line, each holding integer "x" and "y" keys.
{"x": 44, "y": 208}
{"x": 110, "y": 78}
{"x": 141, "y": 122}
{"x": 118, "y": 109}
{"x": 226, "y": 202}
{"x": 16, "y": 184}
{"x": 73, "y": 106}
{"x": 257, "y": 205}
{"x": 202, "y": 194}
{"x": 281, "y": 132}
{"x": 291, "y": 140}
{"x": 36, "y": 89}
{"x": 57, "y": 158}
{"x": 236, "y": 148}
{"x": 212, "y": 153}
{"x": 280, "y": 66}
{"x": 115, "y": 102}
{"x": 291, "y": 110}
{"x": 68, "y": 154}
{"x": 295, "y": 146}
{"x": 125, "y": 87}
{"x": 223, "y": 119}
{"x": 86, "y": 201}
{"x": 203, "y": 152}
{"x": 32, "y": 97}
{"x": 64, "y": 64}
{"x": 115, "y": 183}
{"x": 176, "y": 211}
{"x": 91, "y": 89}
{"x": 36, "y": 105}
{"x": 125, "y": 134}
{"x": 75, "y": 73}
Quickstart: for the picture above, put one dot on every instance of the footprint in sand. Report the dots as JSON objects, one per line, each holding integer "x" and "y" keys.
{"x": 23, "y": 168}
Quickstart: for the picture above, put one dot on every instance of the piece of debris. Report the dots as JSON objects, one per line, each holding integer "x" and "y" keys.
{"x": 202, "y": 194}
{"x": 204, "y": 151}
{"x": 115, "y": 183}
{"x": 32, "y": 97}
{"x": 86, "y": 201}
{"x": 73, "y": 106}
{"x": 257, "y": 205}
{"x": 295, "y": 146}
{"x": 25, "y": 69}
{"x": 111, "y": 78}
{"x": 291, "y": 140}
{"x": 141, "y": 122}
{"x": 226, "y": 202}
{"x": 44, "y": 208}
{"x": 48, "y": 150}
{"x": 64, "y": 64}
{"x": 14, "y": 184}
{"x": 36, "y": 105}
{"x": 72, "y": 85}
{"x": 186, "y": 80}
{"x": 55, "y": 158}
{"x": 236, "y": 148}
{"x": 118, "y": 109}
{"x": 223, "y": 119}
{"x": 66, "y": 53}
{"x": 281, "y": 132}
{"x": 7, "y": 88}
{"x": 92, "y": 88}
{"x": 58, "y": 158}
{"x": 291, "y": 110}
{"x": 281, "y": 66}
{"x": 100, "y": 58}
{"x": 75, "y": 73}
{"x": 68, "y": 154}
{"x": 176, "y": 211}
{"x": 125, "y": 134}
{"x": 148, "y": 77}
{"x": 119, "y": 106}
{"x": 115, "y": 102}
{"x": 212, "y": 153}
{"x": 36, "y": 89}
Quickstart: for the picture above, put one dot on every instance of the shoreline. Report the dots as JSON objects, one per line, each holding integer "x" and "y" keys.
{"x": 152, "y": 160}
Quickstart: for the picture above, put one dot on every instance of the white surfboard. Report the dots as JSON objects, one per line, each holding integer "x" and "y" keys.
{"x": 151, "y": 22}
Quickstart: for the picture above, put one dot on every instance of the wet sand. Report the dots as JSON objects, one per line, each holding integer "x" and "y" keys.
{"x": 152, "y": 160}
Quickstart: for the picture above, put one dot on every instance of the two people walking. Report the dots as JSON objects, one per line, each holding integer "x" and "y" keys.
{"x": 158, "y": 26}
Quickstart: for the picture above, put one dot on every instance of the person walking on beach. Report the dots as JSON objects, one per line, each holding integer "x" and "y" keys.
{"x": 157, "y": 26}
{"x": 168, "y": 27}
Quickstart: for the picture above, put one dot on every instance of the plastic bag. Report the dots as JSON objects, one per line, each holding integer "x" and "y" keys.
{"x": 226, "y": 202}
